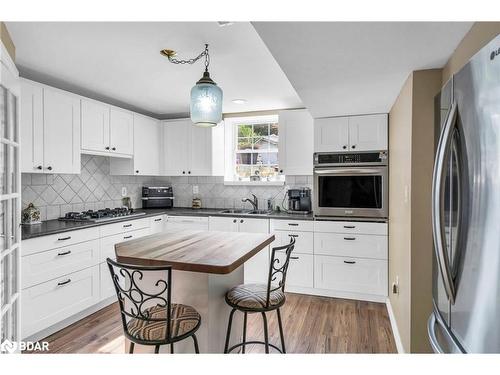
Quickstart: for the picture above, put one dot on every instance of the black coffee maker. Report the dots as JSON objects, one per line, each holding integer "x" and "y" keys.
{"x": 299, "y": 200}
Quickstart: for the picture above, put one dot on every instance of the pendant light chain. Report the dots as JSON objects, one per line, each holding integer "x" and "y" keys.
{"x": 193, "y": 60}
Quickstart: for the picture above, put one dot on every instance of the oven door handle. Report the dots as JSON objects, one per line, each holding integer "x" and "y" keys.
{"x": 351, "y": 171}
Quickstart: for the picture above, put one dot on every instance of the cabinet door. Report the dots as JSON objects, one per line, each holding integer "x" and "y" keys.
{"x": 31, "y": 110}
{"x": 158, "y": 224}
{"x": 95, "y": 126}
{"x": 223, "y": 224}
{"x": 368, "y": 133}
{"x": 300, "y": 270}
{"x": 354, "y": 275}
{"x": 256, "y": 269}
{"x": 176, "y": 147}
{"x": 121, "y": 131}
{"x": 331, "y": 134}
{"x": 296, "y": 142}
{"x": 147, "y": 138}
{"x": 61, "y": 125}
{"x": 187, "y": 223}
{"x": 200, "y": 154}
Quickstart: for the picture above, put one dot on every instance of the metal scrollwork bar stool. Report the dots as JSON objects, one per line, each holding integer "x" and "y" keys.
{"x": 148, "y": 315}
{"x": 261, "y": 298}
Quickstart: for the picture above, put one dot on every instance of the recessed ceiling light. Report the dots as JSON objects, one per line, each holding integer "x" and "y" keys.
{"x": 239, "y": 101}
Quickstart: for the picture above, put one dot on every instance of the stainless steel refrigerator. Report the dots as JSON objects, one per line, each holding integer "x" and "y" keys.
{"x": 466, "y": 209}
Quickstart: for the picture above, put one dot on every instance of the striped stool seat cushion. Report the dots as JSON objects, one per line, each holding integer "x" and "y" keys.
{"x": 184, "y": 319}
{"x": 253, "y": 296}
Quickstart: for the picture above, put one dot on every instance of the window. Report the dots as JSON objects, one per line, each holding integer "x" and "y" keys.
{"x": 255, "y": 149}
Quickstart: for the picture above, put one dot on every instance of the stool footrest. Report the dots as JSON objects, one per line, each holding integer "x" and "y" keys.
{"x": 250, "y": 343}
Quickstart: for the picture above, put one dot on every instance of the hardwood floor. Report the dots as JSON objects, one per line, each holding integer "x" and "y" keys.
{"x": 311, "y": 324}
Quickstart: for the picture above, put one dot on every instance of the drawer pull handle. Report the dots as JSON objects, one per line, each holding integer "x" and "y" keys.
{"x": 64, "y": 238}
{"x": 64, "y": 282}
{"x": 293, "y": 235}
{"x": 157, "y": 219}
{"x": 349, "y": 238}
{"x": 349, "y": 262}
{"x": 127, "y": 225}
{"x": 241, "y": 221}
{"x": 127, "y": 237}
{"x": 293, "y": 224}
{"x": 349, "y": 226}
{"x": 65, "y": 253}
{"x": 294, "y": 258}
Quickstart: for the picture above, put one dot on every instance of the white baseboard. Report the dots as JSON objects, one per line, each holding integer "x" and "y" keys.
{"x": 336, "y": 294}
{"x": 394, "y": 326}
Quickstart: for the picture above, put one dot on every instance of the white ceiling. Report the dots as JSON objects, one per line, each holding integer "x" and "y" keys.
{"x": 120, "y": 63}
{"x": 342, "y": 68}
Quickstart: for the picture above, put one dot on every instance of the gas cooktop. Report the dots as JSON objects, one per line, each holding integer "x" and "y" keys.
{"x": 105, "y": 214}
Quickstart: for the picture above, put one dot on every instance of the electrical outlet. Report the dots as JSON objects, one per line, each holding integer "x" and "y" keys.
{"x": 124, "y": 191}
{"x": 395, "y": 286}
{"x": 196, "y": 190}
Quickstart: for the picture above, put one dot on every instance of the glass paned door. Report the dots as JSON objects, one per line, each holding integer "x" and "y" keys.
{"x": 9, "y": 204}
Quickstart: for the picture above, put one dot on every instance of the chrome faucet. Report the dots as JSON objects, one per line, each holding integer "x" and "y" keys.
{"x": 254, "y": 202}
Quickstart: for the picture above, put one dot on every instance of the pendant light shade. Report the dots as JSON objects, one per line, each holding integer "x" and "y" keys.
{"x": 206, "y": 102}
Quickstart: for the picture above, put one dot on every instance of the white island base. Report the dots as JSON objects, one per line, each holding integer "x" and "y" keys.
{"x": 205, "y": 292}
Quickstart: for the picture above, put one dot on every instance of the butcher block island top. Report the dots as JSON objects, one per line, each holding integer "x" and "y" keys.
{"x": 195, "y": 251}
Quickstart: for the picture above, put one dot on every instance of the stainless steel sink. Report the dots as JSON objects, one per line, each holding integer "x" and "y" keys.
{"x": 245, "y": 212}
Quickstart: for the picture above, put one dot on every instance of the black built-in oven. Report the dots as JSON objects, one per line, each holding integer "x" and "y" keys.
{"x": 353, "y": 185}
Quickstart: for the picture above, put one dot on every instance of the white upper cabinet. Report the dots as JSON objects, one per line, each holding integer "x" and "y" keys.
{"x": 50, "y": 130}
{"x": 331, "y": 134}
{"x": 61, "y": 126}
{"x": 354, "y": 133}
{"x": 95, "y": 126}
{"x": 147, "y": 146}
{"x": 121, "y": 131}
{"x": 296, "y": 142}
{"x": 368, "y": 133}
{"x": 106, "y": 130}
{"x": 192, "y": 151}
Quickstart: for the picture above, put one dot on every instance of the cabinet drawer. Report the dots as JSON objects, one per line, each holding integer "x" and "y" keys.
{"x": 350, "y": 227}
{"x": 300, "y": 225}
{"x": 106, "y": 285}
{"x": 351, "y": 245}
{"x": 158, "y": 224}
{"x": 187, "y": 222}
{"x": 52, "y": 241}
{"x": 124, "y": 226}
{"x": 300, "y": 270}
{"x": 53, "y": 301}
{"x": 108, "y": 243}
{"x": 303, "y": 240}
{"x": 40, "y": 267}
{"x": 366, "y": 276}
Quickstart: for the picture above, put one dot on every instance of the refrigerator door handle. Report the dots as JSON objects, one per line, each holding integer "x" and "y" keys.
{"x": 432, "y": 334}
{"x": 438, "y": 180}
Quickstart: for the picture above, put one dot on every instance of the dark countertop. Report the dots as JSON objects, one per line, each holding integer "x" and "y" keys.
{"x": 55, "y": 226}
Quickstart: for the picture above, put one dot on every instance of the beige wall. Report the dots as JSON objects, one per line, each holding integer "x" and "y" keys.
{"x": 400, "y": 123}
{"x": 411, "y": 149}
{"x": 7, "y": 41}
{"x": 426, "y": 84}
{"x": 479, "y": 34}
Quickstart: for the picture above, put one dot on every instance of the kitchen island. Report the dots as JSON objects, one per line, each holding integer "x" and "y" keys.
{"x": 205, "y": 265}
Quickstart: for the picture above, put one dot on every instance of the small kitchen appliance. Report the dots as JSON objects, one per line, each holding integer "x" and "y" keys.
{"x": 299, "y": 200}
{"x": 157, "y": 197}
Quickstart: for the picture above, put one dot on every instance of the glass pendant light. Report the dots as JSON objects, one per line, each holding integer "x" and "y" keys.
{"x": 206, "y": 96}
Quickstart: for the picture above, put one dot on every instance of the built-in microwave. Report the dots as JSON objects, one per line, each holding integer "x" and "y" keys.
{"x": 353, "y": 185}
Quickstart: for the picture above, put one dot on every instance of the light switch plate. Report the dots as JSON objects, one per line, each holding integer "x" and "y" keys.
{"x": 124, "y": 191}
{"x": 196, "y": 190}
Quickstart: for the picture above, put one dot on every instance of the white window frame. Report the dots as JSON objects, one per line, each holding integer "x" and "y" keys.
{"x": 230, "y": 135}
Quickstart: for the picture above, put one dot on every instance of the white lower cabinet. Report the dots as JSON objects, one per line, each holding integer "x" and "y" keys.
{"x": 351, "y": 245}
{"x": 256, "y": 269}
{"x": 300, "y": 270}
{"x": 53, "y": 301}
{"x": 187, "y": 223}
{"x": 351, "y": 275}
{"x": 106, "y": 283}
{"x": 158, "y": 224}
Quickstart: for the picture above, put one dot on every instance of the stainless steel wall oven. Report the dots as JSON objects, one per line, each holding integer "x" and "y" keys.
{"x": 351, "y": 185}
